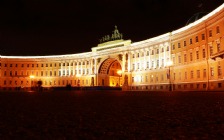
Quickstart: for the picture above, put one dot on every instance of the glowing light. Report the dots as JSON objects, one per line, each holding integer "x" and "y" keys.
{"x": 119, "y": 72}
{"x": 169, "y": 63}
{"x": 78, "y": 75}
{"x": 32, "y": 76}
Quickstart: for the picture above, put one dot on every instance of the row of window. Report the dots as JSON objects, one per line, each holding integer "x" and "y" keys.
{"x": 198, "y": 75}
{"x": 46, "y": 83}
{"x": 147, "y": 64}
{"x": 142, "y": 54}
{"x": 49, "y": 73}
{"x": 210, "y": 34}
{"x": 48, "y": 65}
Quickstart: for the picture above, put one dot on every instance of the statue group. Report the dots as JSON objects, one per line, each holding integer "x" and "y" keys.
{"x": 115, "y": 36}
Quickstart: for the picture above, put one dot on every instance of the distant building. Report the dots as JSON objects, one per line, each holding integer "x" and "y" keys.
{"x": 190, "y": 58}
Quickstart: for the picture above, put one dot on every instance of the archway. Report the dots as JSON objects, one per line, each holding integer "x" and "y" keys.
{"x": 108, "y": 73}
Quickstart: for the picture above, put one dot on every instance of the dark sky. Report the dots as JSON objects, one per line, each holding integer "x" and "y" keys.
{"x": 48, "y": 27}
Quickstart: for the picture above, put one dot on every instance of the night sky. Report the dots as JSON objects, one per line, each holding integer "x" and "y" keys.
{"x": 50, "y": 27}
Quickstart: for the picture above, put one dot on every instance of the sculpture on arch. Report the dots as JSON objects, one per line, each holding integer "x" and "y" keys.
{"x": 116, "y": 35}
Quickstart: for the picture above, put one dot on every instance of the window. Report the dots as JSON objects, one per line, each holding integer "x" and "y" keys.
{"x": 203, "y": 53}
{"x": 152, "y": 64}
{"x": 185, "y": 75}
{"x": 50, "y": 65}
{"x": 133, "y": 55}
{"x": 174, "y": 60}
{"x": 219, "y": 71}
{"x": 22, "y": 65}
{"x": 196, "y": 39}
{"x": 198, "y": 73}
{"x": 174, "y": 76}
{"x": 157, "y": 65}
{"x": 137, "y": 55}
{"x": 185, "y": 43}
{"x": 10, "y": 65}
{"x": 197, "y": 54}
{"x": 146, "y": 78}
{"x": 211, "y": 49}
{"x": 210, "y": 33}
{"x": 133, "y": 66}
{"x": 46, "y": 65}
{"x": 192, "y": 74}
{"x": 152, "y": 52}
{"x": 157, "y": 51}
{"x": 147, "y": 53}
{"x": 42, "y": 65}
{"x": 217, "y": 30}
{"x": 68, "y": 64}
{"x": 202, "y": 36}
{"x": 185, "y": 57}
{"x": 28, "y": 65}
{"x": 179, "y": 46}
{"x": 137, "y": 65}
{"x": 32, "y": 65}
{"x": 37, "y": 65}
{"x": 173, "y": 48}
{"x": 191, "y": 41}
{"x": 179, "y": 59}
{"x": 162, "y": 62}
{"x": 162, "y": 50}
{"x": 191, "y": 56}
{"x": 168, "y": 48}
{"x": 204, "y": 73}
{"x": 42, "y": 73}
{"x": 218, "y": 47}
{"x": 147, "y": 64}
{"x": 212, "y": 71}
{"x": 179, "y": 75}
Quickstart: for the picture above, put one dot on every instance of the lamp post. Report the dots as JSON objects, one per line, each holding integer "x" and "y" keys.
{"x": 169, "y": 64}
{"x": 119, "y": 72}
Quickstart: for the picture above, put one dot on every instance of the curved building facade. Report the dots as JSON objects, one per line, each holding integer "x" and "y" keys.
{"x": 190, "y": 58}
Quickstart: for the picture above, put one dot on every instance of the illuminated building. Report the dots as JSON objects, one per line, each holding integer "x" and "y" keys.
{"x": 196, "y": 52}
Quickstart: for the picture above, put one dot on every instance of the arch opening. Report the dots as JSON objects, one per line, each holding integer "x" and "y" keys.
{"x": 110, "y": 73}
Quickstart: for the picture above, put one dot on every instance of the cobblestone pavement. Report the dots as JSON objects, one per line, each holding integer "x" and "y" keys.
{"x": 111, "y": 115}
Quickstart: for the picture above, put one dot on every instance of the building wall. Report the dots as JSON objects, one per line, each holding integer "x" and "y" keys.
{"x": 196, "y": 50}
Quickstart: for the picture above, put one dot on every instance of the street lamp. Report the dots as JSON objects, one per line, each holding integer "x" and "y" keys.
{"x": 119, "y": 72}
{"x": 169, "y": 64}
